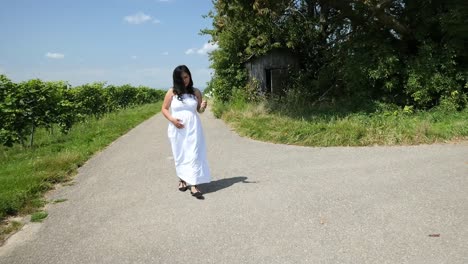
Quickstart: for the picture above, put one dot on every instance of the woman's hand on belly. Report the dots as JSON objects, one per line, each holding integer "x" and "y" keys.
{"x": 177, "y": 123}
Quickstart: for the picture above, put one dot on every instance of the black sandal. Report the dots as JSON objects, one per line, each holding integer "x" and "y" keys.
{"x": 197, "y": 194}
{"x": 182, "y": 186}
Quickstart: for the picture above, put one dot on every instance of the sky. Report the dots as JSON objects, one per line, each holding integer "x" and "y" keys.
{"x": 137, "y": 42}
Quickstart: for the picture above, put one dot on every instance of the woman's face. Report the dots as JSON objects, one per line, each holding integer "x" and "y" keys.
{"x": 186, "y": 78}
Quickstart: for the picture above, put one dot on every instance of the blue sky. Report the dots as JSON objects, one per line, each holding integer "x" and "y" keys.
{"x": 138, "y": 42}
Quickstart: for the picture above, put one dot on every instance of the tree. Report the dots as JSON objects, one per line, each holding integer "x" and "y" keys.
{"x": 399, "y": 51}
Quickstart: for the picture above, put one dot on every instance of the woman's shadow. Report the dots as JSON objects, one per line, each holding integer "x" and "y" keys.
{"x": 215, "y": 186}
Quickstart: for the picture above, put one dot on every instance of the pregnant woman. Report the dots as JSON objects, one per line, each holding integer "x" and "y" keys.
{"x": 185, "y": 131}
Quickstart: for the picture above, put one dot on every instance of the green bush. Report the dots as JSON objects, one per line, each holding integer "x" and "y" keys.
{"x": 26, "y": 106}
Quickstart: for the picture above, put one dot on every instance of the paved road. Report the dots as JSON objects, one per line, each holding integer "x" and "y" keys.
{"x": 268, "y": 203}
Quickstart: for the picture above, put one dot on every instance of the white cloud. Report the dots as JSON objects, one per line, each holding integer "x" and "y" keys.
{"x": 137, "y": 18}
{"x": 165, "y": 53}
{"x": 52, "y": 55}
{"x": 134, "y": 57}
{"x": 190, "y": 51}
{"x": 208, "y": 47}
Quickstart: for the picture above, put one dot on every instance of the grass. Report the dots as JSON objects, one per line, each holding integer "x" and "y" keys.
{"x": 59, "y": 201}
{"x": 342, "y": 126}
{"x": 39, "y": 216}
{"x": 27, "y": 173}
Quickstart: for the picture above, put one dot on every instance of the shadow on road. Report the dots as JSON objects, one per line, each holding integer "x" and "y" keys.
{"x": 215, "y": 186}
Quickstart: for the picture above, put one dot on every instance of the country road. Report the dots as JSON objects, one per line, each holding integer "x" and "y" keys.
{"x": 268, "y": 203}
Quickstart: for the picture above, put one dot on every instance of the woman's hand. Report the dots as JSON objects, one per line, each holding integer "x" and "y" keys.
{"x": 177, "y": 123}
{"x": 203, "y": 105}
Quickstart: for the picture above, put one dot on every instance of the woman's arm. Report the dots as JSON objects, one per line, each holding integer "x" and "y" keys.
{"x": 201, "y": 104}
{"x": 165, "y": 109}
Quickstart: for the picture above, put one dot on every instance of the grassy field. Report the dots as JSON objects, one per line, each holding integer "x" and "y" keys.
{"x": 342, "y": 126}
{"x": 27, "y": 173}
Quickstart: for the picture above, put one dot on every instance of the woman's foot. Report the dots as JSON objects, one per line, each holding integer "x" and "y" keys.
{"x": 182, "y": 186}
{"x": 196, "y": 192}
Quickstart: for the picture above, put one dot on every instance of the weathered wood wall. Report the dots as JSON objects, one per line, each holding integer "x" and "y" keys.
{"x": 271, "y": 70}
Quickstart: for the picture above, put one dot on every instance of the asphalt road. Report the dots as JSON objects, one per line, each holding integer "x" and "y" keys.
{"x": 268, "y": 203}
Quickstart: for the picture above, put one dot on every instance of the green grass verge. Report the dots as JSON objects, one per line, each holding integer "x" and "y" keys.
{"x": 330, "y": 127}
{"x": 27, "y": 173}
{"x": 39, "y": 216}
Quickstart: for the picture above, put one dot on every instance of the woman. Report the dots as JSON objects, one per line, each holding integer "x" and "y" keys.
{"x": 185, "y": 131}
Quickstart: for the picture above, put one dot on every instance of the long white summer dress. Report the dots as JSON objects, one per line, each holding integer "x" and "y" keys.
{"x": 188, "y": 143}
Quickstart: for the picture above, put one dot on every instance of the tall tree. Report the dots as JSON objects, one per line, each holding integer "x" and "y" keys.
{"x": 399, "y": 51}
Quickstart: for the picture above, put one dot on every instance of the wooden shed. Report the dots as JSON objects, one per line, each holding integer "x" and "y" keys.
{"x": 271, "y": 70}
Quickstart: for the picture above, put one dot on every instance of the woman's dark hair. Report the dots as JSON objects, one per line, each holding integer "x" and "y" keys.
{"x": 178, "y": 83}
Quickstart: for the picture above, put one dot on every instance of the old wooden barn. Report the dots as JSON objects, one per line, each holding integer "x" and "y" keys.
{"x": 271, "y": 70}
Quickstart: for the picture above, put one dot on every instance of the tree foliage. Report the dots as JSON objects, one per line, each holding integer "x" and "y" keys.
{"x": 409, "y": 53}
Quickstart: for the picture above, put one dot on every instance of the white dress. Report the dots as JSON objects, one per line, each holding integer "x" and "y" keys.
{"x": 188, "y": 143}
